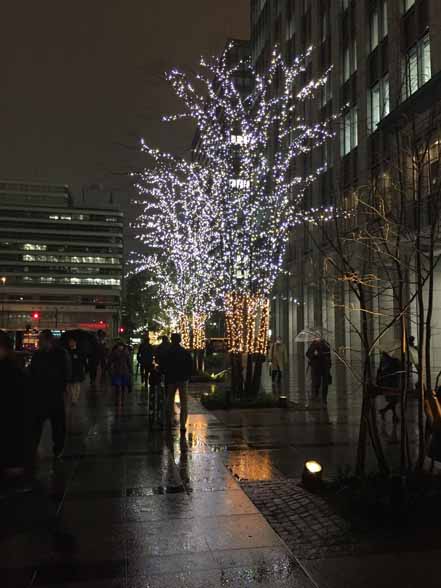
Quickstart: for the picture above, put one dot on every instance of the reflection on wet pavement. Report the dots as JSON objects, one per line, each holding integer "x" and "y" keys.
{"x": 129, "y": 507}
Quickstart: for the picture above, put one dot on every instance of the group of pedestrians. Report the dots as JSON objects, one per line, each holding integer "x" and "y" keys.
{"x": 53, "y": 381}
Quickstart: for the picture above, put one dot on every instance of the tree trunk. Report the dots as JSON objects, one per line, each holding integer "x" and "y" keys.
{"x": 236, "y": 377}
{"x": 247, "y": 318}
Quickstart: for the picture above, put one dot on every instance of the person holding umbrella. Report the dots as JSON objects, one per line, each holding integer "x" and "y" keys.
{"x": 320, "y": 363}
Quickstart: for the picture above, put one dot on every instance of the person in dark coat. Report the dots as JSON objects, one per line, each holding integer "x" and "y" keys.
{"x": 161, "y": 352}
{"x": 320, "y": 363}
{"x": 14, "y": 422}
{"x": 389, "y": 378}
{"x": 145, "y": 359}
{"x": 50, "y": 372}
{"x": 78, "y": 371}
{"x": 178, "y": 367}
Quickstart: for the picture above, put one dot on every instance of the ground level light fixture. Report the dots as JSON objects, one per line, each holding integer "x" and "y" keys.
{"x": 312, "y": 475}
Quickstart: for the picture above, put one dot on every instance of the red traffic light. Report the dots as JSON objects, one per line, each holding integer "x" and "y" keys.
{"x": 36, "y": 315}
{"x": 121, "y": 330}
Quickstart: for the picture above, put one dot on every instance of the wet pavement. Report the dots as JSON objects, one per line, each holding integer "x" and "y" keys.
{"x": 218, "y": 506}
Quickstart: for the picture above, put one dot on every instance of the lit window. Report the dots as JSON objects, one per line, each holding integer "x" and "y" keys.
{"x": 349, "y": 60}
{"x": 326, "y": 92}
{"x": 374, "y": 34}
{"x": 378, "y": 103}
{"x": 385, "y": 21}
{"x": 324, "y": 25}
{"x": 417, "y": 69}
{"x": 349, "y": 133}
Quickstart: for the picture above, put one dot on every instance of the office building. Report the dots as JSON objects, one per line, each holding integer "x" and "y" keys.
{"x": 60, "y": 265}
{"x": 386, "y": 66}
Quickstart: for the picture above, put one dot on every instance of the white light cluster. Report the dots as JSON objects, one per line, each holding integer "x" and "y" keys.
{"x": 175, "y": 228}
{"x": 225, "y": 220}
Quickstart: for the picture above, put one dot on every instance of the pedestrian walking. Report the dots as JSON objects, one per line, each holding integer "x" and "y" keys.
{"x": 178, "y": 366}
{"x": 320, "y": 363}
{"x": 50, "y": 372}
{"x": 14, "y": 415}
{"x": 120, "y": 371}
{"x": 78, "y": 372}
{"x": 145, "y": 359}
{"x": 161, "y": 352}
{"x": 278, "y": 357}
{"x": 389, "y": 381}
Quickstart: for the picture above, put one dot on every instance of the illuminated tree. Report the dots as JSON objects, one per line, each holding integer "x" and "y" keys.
{"x": 250, "y": 146}
{"x": 175, "y": 227}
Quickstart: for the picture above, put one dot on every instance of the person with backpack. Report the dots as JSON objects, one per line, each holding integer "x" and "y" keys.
{"x": 178, "y": 368}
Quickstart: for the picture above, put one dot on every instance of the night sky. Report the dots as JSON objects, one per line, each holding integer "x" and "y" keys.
{"x": 81, "y": 81}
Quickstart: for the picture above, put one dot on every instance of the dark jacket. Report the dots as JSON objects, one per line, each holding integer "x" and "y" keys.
{"x": 14, "y": 414}
{"x": 119, "y": 363}
{"x": 389, "y": 372}
{"x": 50, "y": 371}
{"x": 319, "y": 356}
{"x": 78, "y": 366}
{"x": 161, "y": 354}
{"x": 145, "y": 354}
{"x": 178, "y": 364}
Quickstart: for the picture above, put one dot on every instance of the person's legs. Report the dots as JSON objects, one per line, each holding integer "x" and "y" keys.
{"x": 68, "y": 394}
{"x": 37, "y": 431}
{"x": 76, "y": 391}
{"x": 57, "y": 418}
{"x": 93, "y": 368}
{"x": 143, "y": 374}
{"x": 118, "y": 394}
{"x": 183, "y": 399}
{"x": 315, "y": 383}
{"x": 325, "y": 385}
{"x": 170, "y": 403}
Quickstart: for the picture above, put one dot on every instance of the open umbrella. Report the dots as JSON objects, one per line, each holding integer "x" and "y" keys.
{"x": 308, "y": 335}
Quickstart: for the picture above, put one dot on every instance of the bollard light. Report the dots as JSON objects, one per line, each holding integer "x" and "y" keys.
{"x": 283, "y": 401}
{"x": 312, "y": 475}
